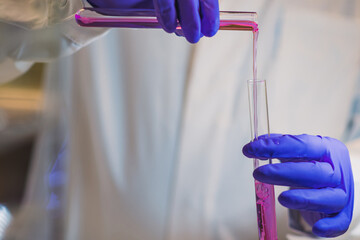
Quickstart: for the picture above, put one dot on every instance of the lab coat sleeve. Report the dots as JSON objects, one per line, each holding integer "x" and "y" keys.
{"x": 39, "y": 31}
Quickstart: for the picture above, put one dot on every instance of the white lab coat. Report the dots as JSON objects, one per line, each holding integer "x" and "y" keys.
{"x": 156, "y": 125}
{"x": 54, "y": 33}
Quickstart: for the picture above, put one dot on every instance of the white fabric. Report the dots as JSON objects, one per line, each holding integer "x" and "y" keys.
{"x": 36, "y": 14}
{"x": 156, "y": 125}
{"x": 10, "y": 70}
{"x": 39, "y": 31}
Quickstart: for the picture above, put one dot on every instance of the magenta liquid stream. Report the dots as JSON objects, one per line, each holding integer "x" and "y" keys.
{"x": 90, "y": 17}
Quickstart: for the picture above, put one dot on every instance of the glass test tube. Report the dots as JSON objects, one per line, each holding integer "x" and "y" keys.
{"x": 259, "y": 123}
{"x": 146, "y": 18}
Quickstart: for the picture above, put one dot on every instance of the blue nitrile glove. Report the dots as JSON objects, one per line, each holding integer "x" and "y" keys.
{"x": 196, "y": 17}
{"x": 320, "y": 170}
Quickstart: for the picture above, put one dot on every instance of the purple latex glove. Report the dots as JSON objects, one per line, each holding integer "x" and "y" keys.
{"x": 320, "y": 170}
{"x": 196, "y": 17}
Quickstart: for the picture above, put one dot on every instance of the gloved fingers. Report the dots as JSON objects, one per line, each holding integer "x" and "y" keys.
{"x": 189, "y": 18}
{"x": 298, "y": 174}
{"x": 166, "y": 14}
{"x": 339, "y": 223}
{"x": 180, "y": 33}
{"x": 284, "y": 147}
{"x": 271, "y": 135}
{"x": 332, "y": 226}
{"x": 326, "y": 200}
{"x": 210, "y": 20}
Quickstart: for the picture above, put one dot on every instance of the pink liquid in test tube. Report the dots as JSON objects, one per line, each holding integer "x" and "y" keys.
{"x": 265, "y": 199}
{"x": 142, "y": 18}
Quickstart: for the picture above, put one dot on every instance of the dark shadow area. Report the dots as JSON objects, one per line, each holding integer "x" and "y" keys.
{"x": 20, "y": 107}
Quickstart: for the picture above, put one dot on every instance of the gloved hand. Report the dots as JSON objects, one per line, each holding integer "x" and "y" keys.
{"x": 196, "y": 17}
{"x": 320, "y": 171}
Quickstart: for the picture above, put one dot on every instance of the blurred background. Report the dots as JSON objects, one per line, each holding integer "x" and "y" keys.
{"x": 20, "y": 107}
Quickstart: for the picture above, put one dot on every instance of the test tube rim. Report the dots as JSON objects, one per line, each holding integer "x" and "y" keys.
{"x": 253, "y": 81}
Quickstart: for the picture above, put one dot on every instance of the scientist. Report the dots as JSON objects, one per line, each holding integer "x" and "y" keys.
{"x": 155, "y": 125}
